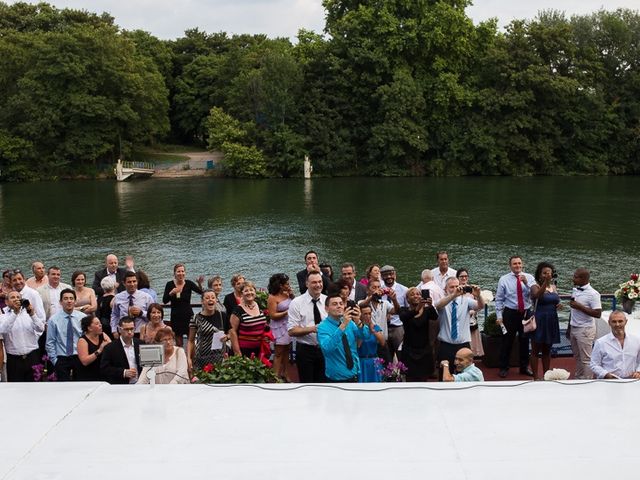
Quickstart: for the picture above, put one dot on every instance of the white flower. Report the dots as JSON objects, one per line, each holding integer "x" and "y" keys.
{"x": 632, "y": 295}
{"x": 556, "y": 374}
{"x": 487, "y": 296}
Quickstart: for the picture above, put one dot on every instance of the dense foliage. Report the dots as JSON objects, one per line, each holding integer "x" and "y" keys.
{"x": 395, "y": 87}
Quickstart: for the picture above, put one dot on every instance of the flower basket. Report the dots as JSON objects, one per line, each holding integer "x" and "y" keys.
{"x": 236, "y": 369}
{"x": 628, "y": 293}
{"x": 391, "y": 371}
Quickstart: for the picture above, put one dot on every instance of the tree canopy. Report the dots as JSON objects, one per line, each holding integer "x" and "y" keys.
{"x": 392, "y": 87}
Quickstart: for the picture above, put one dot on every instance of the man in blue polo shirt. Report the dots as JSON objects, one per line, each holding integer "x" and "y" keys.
{"x": 337, "y": 335}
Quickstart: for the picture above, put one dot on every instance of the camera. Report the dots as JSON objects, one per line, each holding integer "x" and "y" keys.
{"x": 386, "y": 291}
{"x": 376, "y": 297}
{"x": 467, "y": 289}
{"x": 425, "y": 294}
{"x": 351, "y": 304}
{"x": 25, "y": 303}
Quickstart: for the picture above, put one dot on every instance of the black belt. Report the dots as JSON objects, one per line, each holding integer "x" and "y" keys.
{"x": 395, "y": 326}
{"x": 298, "y": 344}
{"x": 23, "y": 357}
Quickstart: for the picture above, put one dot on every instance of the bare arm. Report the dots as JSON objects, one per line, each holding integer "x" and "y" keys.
{"x": 233, "y": 333}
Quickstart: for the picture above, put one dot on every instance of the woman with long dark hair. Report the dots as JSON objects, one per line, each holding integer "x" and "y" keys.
{"x": 544, "y": 295}
{"x": 280, "y": 296}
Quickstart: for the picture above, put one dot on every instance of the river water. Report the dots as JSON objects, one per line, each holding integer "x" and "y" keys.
{"x": 260, "y": 227}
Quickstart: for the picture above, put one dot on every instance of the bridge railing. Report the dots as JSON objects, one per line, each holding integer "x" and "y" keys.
{"x": 139, "y": 165}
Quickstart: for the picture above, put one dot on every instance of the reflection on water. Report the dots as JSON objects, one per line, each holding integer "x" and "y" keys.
{"x": 260, "y": 227}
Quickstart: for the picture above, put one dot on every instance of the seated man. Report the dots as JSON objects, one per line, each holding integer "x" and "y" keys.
{"x": 467, "y": 371}
{"x": 617, "y": 354}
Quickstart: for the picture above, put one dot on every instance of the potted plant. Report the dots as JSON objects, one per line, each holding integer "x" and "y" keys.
{"x": 236, "y": 369}
{"x": 492, "y": 342}
{"x": 628, "y": 293}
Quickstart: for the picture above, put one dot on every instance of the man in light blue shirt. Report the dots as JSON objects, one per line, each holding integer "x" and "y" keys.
{"x": 337, "y": 335}
{"x": 63, "y": 332}
{"x": 453, "y": 316}
{"x": 467, "y": 371}
{"x": 132, "y": 303}
{"x": 513, "y": 304}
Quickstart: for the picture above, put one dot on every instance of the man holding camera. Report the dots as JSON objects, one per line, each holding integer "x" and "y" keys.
{"x": 453, "y": 315}
{"x": 27, "y": 293}
{"x": 338, "y": 334}
{"x": 21, "y": 328}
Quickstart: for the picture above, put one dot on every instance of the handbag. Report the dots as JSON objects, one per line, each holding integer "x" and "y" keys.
{"x": 529, "y": 324}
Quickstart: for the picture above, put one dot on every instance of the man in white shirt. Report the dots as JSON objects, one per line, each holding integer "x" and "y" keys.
{"x": 357, "y": 290}
{"x": 39, "y": 278}
{"x": 617, "y": 354}
{"x": 28, "y": 293}
{"x": 396, "y": 294}
{"x": 50, "y": 293}
{"x": 428, "y": 283}
{"x": 21, "y": 329}
{"x": 443, "y": 272}
{"x": 305, "y": 313}
{"x": 585, "y": 308}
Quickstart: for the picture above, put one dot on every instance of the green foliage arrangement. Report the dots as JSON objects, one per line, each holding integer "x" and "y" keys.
{"x": 491, "y": 327}
{"x": 393, "y": 88}
{"x": 237, "y": 369}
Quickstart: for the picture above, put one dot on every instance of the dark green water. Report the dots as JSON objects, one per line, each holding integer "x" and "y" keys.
{"x": 266, "y": 226}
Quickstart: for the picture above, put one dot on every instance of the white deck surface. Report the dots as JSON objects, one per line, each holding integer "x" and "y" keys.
{"x": 537, "y": 430}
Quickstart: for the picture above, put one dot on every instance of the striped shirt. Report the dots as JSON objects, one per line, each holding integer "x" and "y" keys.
{"x": 251, "y": 328}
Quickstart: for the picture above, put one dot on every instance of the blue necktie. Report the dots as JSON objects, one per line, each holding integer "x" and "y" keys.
{"x": 69, "y": 336}
{"x": 454, "y": 320}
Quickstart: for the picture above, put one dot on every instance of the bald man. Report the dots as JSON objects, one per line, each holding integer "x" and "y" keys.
{"x": 467, "y": 371}
{"x": 111, "y": 269}
{"x": 39, "y": 278}
{"x": 585, "y": 309}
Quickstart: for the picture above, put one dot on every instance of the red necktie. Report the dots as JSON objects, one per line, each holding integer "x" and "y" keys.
{"x": 520, "y": 295}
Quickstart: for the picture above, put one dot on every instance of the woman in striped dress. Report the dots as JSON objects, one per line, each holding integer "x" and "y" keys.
{"x": 248, "y": 324}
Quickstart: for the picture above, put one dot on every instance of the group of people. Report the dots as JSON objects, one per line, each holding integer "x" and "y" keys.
{"x": 345, "y": 329}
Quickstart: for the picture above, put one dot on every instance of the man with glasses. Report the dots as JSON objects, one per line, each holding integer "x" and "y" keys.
{"x": 120, "y": 362}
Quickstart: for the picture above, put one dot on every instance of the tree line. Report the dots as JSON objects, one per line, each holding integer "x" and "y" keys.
{"x": 392, "y": 87}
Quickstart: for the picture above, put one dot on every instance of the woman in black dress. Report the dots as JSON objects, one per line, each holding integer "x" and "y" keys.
{"x": 90, "y": 347}
{"x": 108, "y": 286}
{"x": 177, "y": 292}
{"x": 416, "y": 352}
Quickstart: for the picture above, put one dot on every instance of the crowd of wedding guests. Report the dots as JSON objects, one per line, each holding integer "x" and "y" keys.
{"x": 341, "y": 327}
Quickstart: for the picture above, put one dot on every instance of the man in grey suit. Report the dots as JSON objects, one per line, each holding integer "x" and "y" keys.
{"x": 358, "y": 290}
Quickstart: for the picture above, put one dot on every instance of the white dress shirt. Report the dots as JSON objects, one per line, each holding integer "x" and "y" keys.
{"x": 608, "y": 356}
{"x": 435, "y": 292}
{"x": 20, "y": 332}
{"x": 36, "y": 301}
{"x": 441, "y": 278}
{"x": 130, "y": 352}
{"x": 301, "y": 315}
{"x": 379, "y": 315}
{"x": 588, "y": 297}
{"x": 401, "y": 297}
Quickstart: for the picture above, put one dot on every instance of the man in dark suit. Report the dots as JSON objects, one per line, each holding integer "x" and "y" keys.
{"x": 111, "y": 268}
{"x": 312, "y": 262}
{"x": 120, "y": 362}
{"x": 358, "y": 291}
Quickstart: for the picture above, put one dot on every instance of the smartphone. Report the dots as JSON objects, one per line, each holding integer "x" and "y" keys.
{"x": 351, "y": 304}
{"x": 425, "y": 294}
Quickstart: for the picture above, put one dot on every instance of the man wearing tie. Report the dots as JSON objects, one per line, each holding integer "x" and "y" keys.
{"x": 513, "y": 303}
{"x": 63, "y": 332}
{"x": 585, "y": 308}
{"x": 130, "y": 303}
{"x": 337, "y": 336}
{"x": 453, "y": 316}
{"x": 305, "y": 313}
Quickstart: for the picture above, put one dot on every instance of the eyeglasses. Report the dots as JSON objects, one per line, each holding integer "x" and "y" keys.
{"x": 128, "y": 329}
